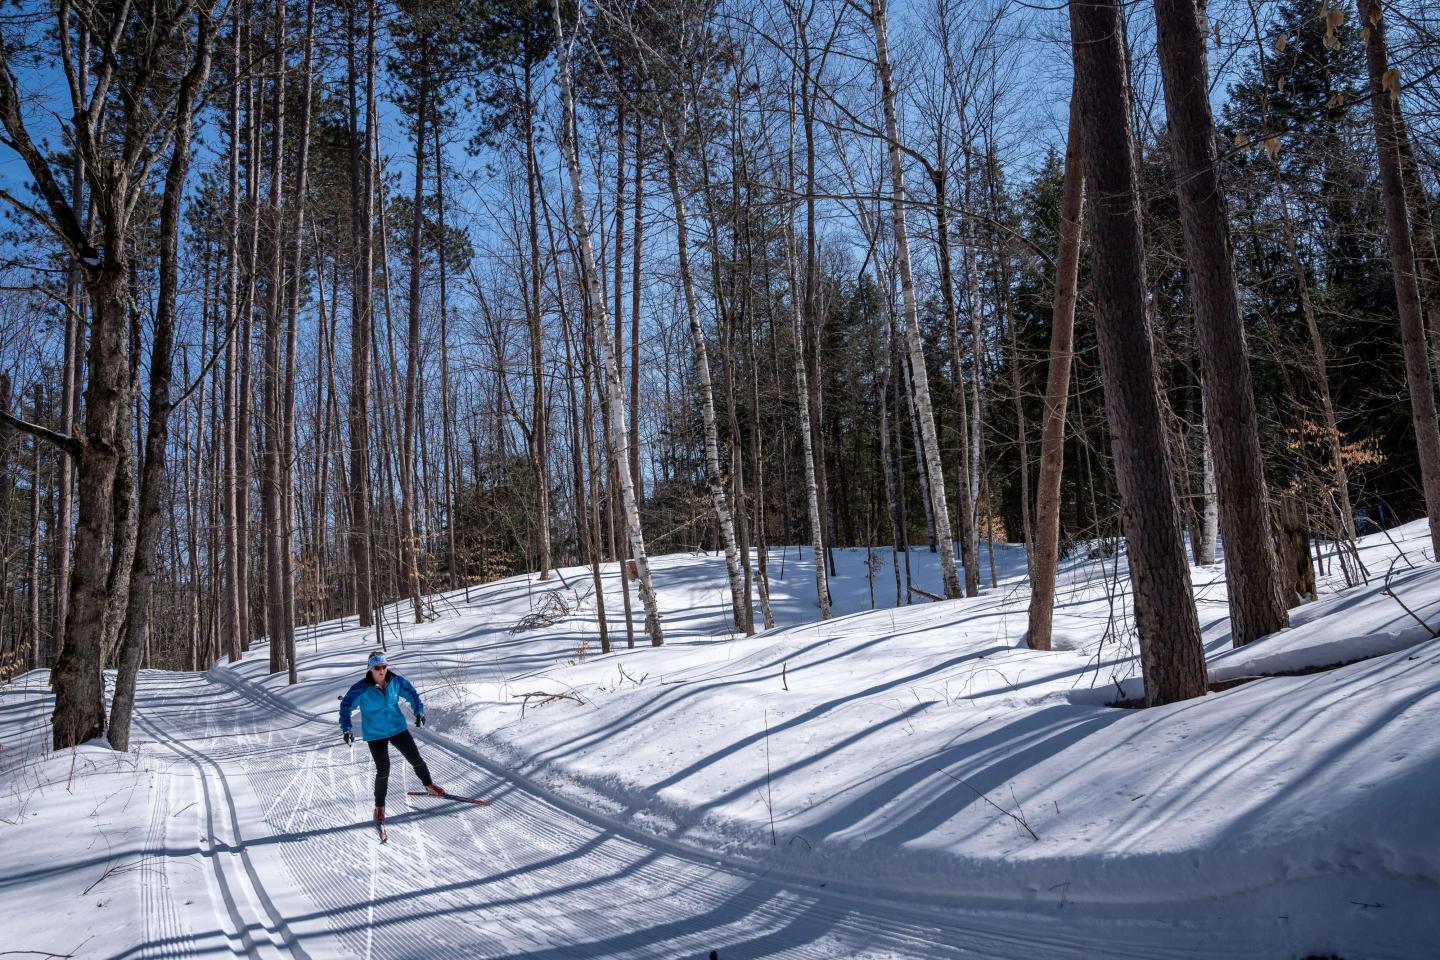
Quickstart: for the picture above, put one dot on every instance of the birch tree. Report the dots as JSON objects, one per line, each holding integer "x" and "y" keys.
{"x": 617, "y": 430}
{"x": 920, "y": 380}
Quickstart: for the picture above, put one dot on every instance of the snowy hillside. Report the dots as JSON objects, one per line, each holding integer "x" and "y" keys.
{"x": 893, "y": 782}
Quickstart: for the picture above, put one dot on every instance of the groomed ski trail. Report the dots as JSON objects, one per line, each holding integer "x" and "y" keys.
{"x": 297, "y": 871}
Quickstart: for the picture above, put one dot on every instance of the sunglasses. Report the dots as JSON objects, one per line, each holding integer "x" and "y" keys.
{"x": 381, "y": 667}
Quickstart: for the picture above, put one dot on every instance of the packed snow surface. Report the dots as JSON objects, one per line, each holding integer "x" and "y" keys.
{"x": 898, "y": 781}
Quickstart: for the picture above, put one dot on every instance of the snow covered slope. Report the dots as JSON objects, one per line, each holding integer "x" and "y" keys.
{"x": 913, "y": 758}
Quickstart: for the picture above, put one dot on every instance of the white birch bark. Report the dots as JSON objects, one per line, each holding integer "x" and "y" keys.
{"x": 1209, "y": 505}
{"x": 618, "y": 432}
{"x": 802, "y": 391}
{"x": 744, "y": 619}
{"x": 920, "y": 387}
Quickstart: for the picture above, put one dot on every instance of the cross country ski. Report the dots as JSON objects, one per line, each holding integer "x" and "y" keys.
{"x": 448, "y": 796}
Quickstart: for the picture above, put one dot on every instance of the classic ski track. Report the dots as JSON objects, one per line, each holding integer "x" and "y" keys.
{"x": 848, "y": 921}
{"x": 233, "y": 885}
{"x": 166, "y": 933}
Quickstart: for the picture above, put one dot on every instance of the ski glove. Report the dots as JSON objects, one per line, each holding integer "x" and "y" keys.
{"x": 349, "y": 737}
{"x": 420, "y": 720}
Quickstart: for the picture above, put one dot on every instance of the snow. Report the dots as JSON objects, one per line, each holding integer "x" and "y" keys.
{"x": 897, "y": 781}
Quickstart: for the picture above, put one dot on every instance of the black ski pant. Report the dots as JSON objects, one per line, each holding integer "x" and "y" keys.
{"x": 380, "y": 753}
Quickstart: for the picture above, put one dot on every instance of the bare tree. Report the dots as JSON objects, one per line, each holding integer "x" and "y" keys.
{"x": 117, "y": 162}
{"x": 618, "y": 432}
{"x": 920, "y": 381}
{"x": 1057, "y": 392}
{"x": 361, "y": 320}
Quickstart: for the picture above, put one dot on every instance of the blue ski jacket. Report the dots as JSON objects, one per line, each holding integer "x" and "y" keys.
{"x": 380, "y": 715}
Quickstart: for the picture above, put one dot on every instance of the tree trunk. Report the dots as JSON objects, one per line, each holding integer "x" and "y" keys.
{"x": 76, "y": 677}
{"x": 618, "y": 431}
{"x": 1209, "y": 505}
{"x": 1427, "y": 259}
{"x": 1385, "y": 108}
{"x": 718, "y": 499}
{"x": 70, "y": 383}
{"x": 361, "y": 202}
{"x": 802, "y": 396}
{"x": 539, "y": 428}
{"x": 1057, "y": 391}
{"x": 637, "y": 247}
{"x": 1171, "y": 653}
{"x": 450, "y": 475}
{"x": 36, "y": 641}
{"x": 965, "y": 507}
{"x": 892, "y": 487}
{"x": 919, "y": 377}
{"x": 287, "y": 406}
{"x": 230, "y": 439}
{"x": 1252, "y": 569}
{"x": 410, "y": 571}
{"x": 273, "y": 534}
{"x": 582, "y": 455}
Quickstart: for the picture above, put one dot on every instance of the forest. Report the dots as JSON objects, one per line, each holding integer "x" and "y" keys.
{"x": 310, "y": 308}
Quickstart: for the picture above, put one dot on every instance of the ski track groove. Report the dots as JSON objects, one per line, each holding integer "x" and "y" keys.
{"x": 247, "y": 903}
{"x": 166, "y": 933}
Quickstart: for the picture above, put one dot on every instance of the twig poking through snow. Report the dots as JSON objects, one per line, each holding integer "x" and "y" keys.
{"x": 1018, "y": 818}
{"x": 544, "y": 698}
{"x": 1434, "y": 634}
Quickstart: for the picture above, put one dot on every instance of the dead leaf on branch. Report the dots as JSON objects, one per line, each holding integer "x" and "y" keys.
{"x": 1390, "y": 82}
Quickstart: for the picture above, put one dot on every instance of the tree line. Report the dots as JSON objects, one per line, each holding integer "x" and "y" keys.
{"x": 317, "y": 310}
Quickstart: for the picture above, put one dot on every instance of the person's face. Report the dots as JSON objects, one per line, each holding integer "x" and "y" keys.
{"x": 378, "y": 672}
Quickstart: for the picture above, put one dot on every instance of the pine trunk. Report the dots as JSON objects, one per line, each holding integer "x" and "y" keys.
{"x": 1385, "y": 108}
{"x": 409, "y": 566}
{"x": 272, "y": 532}
{"x": 1252, "y": 567}
{"x": 361, "y": 321}
{"x": 1171, "y": 653}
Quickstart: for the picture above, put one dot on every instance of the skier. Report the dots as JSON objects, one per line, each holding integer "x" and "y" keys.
{"x": 377, "y": 697}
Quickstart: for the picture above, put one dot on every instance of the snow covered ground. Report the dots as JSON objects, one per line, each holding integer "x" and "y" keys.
{"x": 894, "y": 782}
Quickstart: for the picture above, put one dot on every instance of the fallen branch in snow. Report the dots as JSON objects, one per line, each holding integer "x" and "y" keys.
{"x": 627, "y": 676}
{"x": 543, "y": 697}
{"x": 925, "y": 593}
{"x": 551, "y": 611}
{"x": 1018, "y": 818}
{"x": 1434, "y": 634}
{"x": 1401, "y": 553}
{"x": 115, "y": 870}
